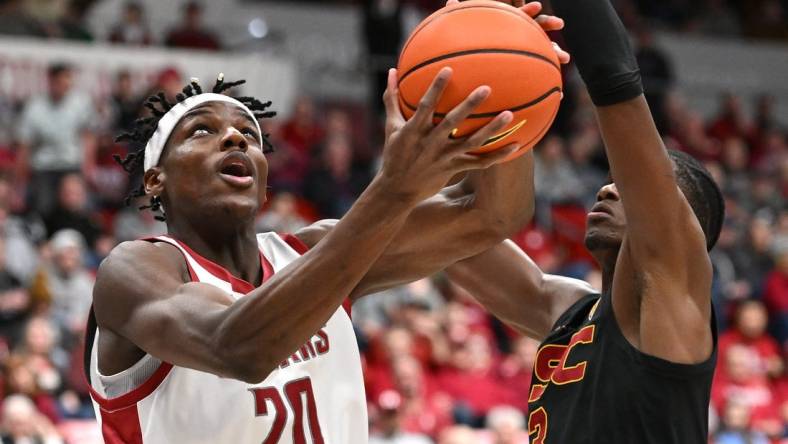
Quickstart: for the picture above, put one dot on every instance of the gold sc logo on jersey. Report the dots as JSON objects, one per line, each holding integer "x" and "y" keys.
{"x": 496, "y": 138}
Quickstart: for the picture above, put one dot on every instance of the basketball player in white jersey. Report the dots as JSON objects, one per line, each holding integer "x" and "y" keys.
{"x": 215, "y": 334}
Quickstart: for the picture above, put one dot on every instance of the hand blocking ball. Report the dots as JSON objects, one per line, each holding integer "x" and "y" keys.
{"x": 485, "y": 43}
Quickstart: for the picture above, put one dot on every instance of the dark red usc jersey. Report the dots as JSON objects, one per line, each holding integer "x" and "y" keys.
{"x": 590, "y": 385}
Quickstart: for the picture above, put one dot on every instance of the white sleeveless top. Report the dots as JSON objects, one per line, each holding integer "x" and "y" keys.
{"x": 316, "y": 396}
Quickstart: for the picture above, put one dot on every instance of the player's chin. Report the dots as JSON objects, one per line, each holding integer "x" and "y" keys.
{"x": 599, "y": 238}
{"x": 239, "y": 205}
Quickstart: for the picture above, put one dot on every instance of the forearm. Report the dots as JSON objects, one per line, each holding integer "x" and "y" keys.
{"x": 512, "y": 287}
{"x": 643, "y": 172}
{"x": 487, "y": 207}
{"x": 504, "y": 194}
{"x": 507, "y": 283}
{"x": 639, "y": 162}
{"x": 267, "y": 325}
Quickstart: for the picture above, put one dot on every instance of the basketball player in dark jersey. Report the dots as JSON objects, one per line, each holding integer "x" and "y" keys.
{"x": 633, "y": 364}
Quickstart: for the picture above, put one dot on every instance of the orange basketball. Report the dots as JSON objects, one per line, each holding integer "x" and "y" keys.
{"x": 485, "y": 43}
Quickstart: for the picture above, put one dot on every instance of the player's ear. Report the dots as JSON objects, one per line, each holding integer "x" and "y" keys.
{"x": 154, "y": 180}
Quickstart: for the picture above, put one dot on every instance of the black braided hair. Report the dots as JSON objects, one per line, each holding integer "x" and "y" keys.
{"x": 702, "y": 193}
{"x": 143, "y": 129}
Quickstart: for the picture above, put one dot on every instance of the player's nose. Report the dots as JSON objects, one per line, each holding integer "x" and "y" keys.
{"x": 608, "y": 192}
{"x": 233, "y": 139}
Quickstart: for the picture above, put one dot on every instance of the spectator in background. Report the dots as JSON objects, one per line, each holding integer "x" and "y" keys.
{"x": 742, "y": 381}
{"x": 22, "y": 424}
{"x": 15, "y": 21}
{"x": 690, "y": 133}
{"x": 750, "y": 331}
{"x": 764, "y": 113}
{"x": 736, "y": 426}
{"x": 15, "y": 302}
{"x": 753, "y": 259}
{"x": 402, "y": 304}
{"x": 585, "y": 148}
{"x": 282, "y": 216}
{"x": 298, "y": 137}
{"x": 383, "y": 36}
{"x": 775, "y": 294}
{"x": 423, "y": 408}
{"x": 388, "y": 428}
{"x": 506, "y": 425}
{"x": 735, "y": 161}
{"x": 515, "y": 370}
{"x": 53, "y": 138}
{"x": 42, "y": 353}
{"x": 169, "y": 81}
{"x": 67, "y": 284}
{"x": 765, "y": 200}
{"x": 657, "y": 72}
{"x": 191, "y": 33}
{"x": 132, "y": 29}
{"x": 19, "y": 236}
{"x": 731, "y": 120}
{"x": 772, "y": 150}
{"x": 126, "y": 105}
{"x": 109, "y": 182}
{"x": 73, "y": 210}
{"x": 334, "y": 183}
{"x": 303, "y": 131}
{"x": 471, "y": 381}
{"x": 554, "y": 178}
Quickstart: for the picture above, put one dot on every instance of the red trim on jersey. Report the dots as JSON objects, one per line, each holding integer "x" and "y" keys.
{"x": 238, "y": 285}
{"x": 133, "y": 397}
{"x": 299, "y": 246}
{"x": 121, "y": 426}
{"x": 295, "y": 243}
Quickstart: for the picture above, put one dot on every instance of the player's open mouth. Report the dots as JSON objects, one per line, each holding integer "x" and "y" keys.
{"x": 237, "y": 170}
{"x": 600, "y": 211}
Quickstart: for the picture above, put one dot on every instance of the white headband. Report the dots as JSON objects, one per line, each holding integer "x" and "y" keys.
{"x": 168, "y": 122}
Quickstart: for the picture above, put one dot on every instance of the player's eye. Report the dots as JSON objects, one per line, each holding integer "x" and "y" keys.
{"x": 249, "y": 133}
{"x": 201, "y": 130}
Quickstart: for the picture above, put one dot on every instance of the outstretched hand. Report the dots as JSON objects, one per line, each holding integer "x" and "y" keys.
{"x": 419, "y": 157}
{"x": 547, "y": 22}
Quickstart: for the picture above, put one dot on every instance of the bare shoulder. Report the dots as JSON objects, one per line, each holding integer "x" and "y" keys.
{"x": 129, "y": 256}
{"x": 134, "y": 272}
{"x": 314, "y": 233}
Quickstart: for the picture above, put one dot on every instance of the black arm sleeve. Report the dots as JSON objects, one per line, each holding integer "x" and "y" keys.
{"x": 600, "y": 46}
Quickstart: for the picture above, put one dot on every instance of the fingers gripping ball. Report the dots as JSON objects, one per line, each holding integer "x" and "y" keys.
{"x": 485, "y": 43}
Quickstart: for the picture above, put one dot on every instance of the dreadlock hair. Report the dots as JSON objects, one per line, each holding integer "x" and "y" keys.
{"x": 702, "y": 193}
{"x": 143, "y": 129}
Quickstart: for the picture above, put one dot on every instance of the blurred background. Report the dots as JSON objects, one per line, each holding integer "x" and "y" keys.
{"x": 73, "y": 74}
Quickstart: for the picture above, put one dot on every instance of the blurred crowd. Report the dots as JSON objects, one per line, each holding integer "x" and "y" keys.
{"x": 438, "y": 368}
{"x": 760, "y": 19}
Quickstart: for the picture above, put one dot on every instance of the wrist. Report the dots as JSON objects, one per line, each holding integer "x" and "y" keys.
{"x": 389, "y": 189}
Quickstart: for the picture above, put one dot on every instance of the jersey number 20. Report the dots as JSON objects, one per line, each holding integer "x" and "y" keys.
{"x": 295, "y": 392}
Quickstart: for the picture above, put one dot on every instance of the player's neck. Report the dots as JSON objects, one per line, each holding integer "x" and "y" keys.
{"x": 234, "y": 247}
{"x": 607, "y": 259}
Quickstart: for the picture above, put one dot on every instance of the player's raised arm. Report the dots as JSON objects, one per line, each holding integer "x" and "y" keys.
{"x": 513, "y": 288}
{"x": 661, "y": 288}
{"x": 196, "y": 325}
{"x": 461, "y": 221}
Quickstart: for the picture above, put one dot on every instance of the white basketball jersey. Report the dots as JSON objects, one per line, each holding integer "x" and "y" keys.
{"x": 316, "y": 396}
